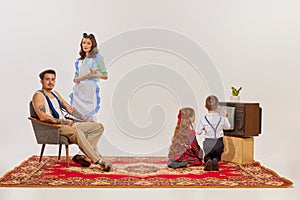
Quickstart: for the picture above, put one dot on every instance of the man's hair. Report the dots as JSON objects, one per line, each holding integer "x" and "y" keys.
{"x": 47, "y": 71}
{"x": 211, "y": 103}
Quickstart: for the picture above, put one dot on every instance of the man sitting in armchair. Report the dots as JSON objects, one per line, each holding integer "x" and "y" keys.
{"x": 48, "y": 105}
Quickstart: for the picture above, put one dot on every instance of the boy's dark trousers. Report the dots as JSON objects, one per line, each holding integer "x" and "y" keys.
{"x": 213, "y": 148}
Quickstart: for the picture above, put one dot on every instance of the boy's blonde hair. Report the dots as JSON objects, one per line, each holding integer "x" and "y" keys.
{"x": 211, "y": 103}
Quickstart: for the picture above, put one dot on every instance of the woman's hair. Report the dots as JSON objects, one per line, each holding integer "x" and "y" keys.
{"x": 47, "y": 71}
{"x": 186, "y": 117}
{"x": 212, "y": 103}
{"x": 94, "y": 44}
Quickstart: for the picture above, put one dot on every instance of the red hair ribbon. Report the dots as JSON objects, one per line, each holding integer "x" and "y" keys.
{"x": 179, "y": 118}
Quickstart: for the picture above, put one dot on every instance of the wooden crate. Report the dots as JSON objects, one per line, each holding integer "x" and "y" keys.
{"x": 238, "y": 150}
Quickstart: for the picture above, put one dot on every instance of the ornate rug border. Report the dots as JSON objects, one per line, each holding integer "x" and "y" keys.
{"x": 289, "y": 184}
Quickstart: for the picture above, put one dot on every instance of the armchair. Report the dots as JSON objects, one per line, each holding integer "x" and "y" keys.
{"x": 47, "y": 133}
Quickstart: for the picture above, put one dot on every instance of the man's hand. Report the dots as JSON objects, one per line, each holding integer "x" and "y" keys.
{"x": 67, "y": 122}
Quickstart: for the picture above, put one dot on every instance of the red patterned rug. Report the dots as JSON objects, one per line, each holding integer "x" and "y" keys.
{"x": 139, "y": 172}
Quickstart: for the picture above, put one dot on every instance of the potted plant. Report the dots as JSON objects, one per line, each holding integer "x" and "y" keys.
{"x": 235, "y": 94}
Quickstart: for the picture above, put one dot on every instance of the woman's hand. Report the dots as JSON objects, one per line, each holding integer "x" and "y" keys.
{"x": 76, "y": 80}
{"x": 92, "y": 73}
{"x": 102, "y": 76}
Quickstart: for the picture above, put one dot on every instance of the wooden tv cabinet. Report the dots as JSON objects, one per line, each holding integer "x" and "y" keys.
{"x": 239, "y": 142}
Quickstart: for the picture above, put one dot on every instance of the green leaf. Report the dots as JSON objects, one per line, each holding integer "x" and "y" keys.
{"x": 235, "y": 92}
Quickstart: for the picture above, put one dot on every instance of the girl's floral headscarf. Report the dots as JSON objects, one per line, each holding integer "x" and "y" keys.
{"x": 182, "y": 138}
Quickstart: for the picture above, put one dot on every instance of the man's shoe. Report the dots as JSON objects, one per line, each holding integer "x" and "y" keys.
{"x": 208, "y": 165}
{"x": 215, "y": 165}
{"x": 80, "y": 159}
{"x": 104, "y": 165}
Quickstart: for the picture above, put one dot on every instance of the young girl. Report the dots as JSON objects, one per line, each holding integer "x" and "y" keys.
{"x": 212, "y": 125}
{"x": 184, "y": 149}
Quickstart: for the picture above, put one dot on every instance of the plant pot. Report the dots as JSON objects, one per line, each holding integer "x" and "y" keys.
{"x": 235, "y": 98}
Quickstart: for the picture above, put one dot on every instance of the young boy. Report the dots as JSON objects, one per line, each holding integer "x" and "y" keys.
{"x": 213, "y": 124}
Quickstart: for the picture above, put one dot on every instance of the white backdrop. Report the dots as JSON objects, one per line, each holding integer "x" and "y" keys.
{"x": 254, "y": 44}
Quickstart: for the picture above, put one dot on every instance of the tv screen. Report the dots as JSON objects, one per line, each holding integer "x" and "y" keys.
{"x": 245, "y": 118}
{"x": 231, "y": 114}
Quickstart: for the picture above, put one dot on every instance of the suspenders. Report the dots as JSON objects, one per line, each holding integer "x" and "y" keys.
{"x": 215, "y": 129}
{"x": 54, "y": 112}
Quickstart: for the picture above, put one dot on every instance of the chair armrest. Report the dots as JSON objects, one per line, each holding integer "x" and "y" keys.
{"x": 45, "y": 133}
{"x": 42, "y": 122}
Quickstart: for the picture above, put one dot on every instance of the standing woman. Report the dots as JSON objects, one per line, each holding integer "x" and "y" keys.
{"x": 89, "y": 69}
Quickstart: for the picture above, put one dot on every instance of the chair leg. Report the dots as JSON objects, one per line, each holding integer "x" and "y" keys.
{"x": 67, "y": 155}
{"x": 59, "y": 151}
{"x": 42, "y": 152}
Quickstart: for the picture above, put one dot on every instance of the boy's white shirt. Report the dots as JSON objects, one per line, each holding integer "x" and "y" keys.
{"x": 213, "y": 118}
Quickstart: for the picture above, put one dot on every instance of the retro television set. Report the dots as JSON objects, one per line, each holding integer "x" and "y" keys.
{"x": 245, "y": 118}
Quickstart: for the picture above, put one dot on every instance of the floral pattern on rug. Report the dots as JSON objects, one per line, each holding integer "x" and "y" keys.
{"x": 138, "y": 172}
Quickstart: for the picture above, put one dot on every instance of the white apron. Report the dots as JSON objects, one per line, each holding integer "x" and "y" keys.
{"x": 85, "y": 96}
